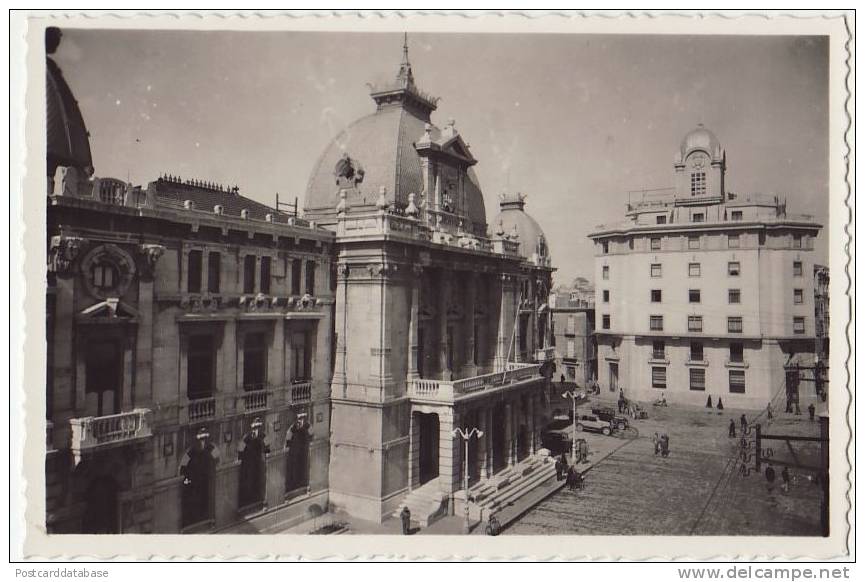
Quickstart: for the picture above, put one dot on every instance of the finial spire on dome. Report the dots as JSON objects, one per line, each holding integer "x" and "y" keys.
{"x": 405, "y": 75}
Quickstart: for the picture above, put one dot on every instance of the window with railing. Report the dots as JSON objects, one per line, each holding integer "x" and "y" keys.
{"x": 214, "y": 271}
{"x": 734, "y": 325}
{"x": 254, "y": 361}
{"x": 310, "y": 277}
{"x": 737, "y": 353}
{"x": 296, "y": 267}
{"x": 301, "y": 352}
{"x": 656, "y": 323}
{"x": 695, "y": 323}
{"x": 698, "y": 379}
{"x": 696, "y": 354}
{"x": 249, "y": 274}
{"x": 659, "y": 351}
{"x": 193, "y": 272}
{"x": 200, "y": 366}
{"x": 737, "y": 381}
{"x": 660, "y": 220}
{"x": 734, "y": 296}
{"x": 265, "y": 277}
{"x": 659, "y": 377}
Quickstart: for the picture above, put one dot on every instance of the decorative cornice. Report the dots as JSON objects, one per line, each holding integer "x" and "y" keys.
{"x": 63, "y": 253}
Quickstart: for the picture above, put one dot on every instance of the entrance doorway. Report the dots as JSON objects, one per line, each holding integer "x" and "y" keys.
{"x": 614, "y": 377}
{"x": 100, "y": 513}
{"x": 428, "y": 445}
{"x": 499, "y": 438}
{"x": 198, "y": 487}
{"x": 252, "y": 474}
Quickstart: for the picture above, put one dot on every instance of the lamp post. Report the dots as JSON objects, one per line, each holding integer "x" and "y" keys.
{"x": 573, "y": 395}
{"x": 466, "y": 434}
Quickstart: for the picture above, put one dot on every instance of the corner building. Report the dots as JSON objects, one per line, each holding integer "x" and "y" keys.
{"x": 438, "y": 324}
{"x": 704, "y": 292}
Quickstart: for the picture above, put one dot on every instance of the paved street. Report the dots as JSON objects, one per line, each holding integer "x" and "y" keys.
{"x": 696, "y": 490}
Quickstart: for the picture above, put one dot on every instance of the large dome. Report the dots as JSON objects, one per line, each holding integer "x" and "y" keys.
{"x": 700, "y": 138}
{"x": 512, "y": 220}
{"x": 379, "y": 152}
{"x": 68, "y": 141}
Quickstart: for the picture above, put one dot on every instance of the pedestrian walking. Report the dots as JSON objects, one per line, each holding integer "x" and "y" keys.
{"x": 769, "y": 414}
{"x": 732, "y": 430}
{"x": 770, "y": 477}
{"x": 493, "y": 526}
{"x": 798, "y": 410}
{"x": 785, "y": 480}
{"x": 572, "y": 478}
{"x": 656, "y": 441}
{"x": 564, "y": 460}
{"x": 562, "y": 379}
{"x": 405, "y": 517}
{"x": 743, "y": 420}
{"x": 558, "y": 470}
{"x": 811, "y": 411}
{"x": 665, "y": 445}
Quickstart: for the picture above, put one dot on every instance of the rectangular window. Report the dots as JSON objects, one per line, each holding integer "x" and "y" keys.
{"x": 572, "y": 325}
{"x": 736, "y": 215}
{"x": 698, "y": 379}
{"x": 798, "y": 325}
{"x": 265, "y": 276}
{"x": 696, "y": 352}
{"x": 301, "y": 350}
{"x": 658, "y": 350}
{"x": 693, "y": 269}
{"x": 605, "y": 272}
{"x": 798, "y": 297}
{"x": 200, "y": 367}
{"x": 698, "y": 217}
{"x": 693, "y": 242}
{"x": 734, "y": 296}
{"x": 249, "y": 274}
{"x": 660, "y": 220}
{"x": 605, "y": 321}
{"x": 737, "y": 381}
{"x": 310, "y": 277}
{"x": 797, "y": 241}
{"x": 193, "y": 273}
{"x": 695, "y": 323}
{"x": 734, "y": 325}
{"x": 606, "y": 293}
{"x": 606, "y": 247}
{"x": 214, "y": 272}
{"x": 656, "y": 295}
{"x": 572, "y": 348}
{"x": 797, "y": 268}
{"x": 693, "y": 295}
{"x": 659, "y": 377}
{"x": 295, "y": 276}
{"x": 254, "y": 361}
{"x": 698, "y": 184}
{"x": 655, "y": 244}
{"x": 733, "y": 241}
{"x": 737, "y": 353}
{"x": 656, "y": 322}
{"x": 655, "y": 270}
{"x": 733, "y": 268}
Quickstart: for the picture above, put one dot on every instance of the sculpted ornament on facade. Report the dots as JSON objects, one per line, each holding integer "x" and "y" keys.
{"x": 63, "y": 253}
{"x": 150, "y": 254}
{"x": 107, "y": 271}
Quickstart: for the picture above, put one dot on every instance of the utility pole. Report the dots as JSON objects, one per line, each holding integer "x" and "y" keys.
{"x": 466, "y": 434}
{"x": 573, "y": 395}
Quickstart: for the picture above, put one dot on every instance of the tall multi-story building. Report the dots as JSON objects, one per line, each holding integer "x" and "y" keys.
{"x": 573, "y": 328}
{"x": 438, "y": 323}
{"x": 702, "y": 292}
{"x": 189, "y": 350}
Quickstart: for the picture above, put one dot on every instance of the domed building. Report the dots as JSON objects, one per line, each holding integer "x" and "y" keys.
{"x": 513, "y": 219}
{"x": 437, "y": 320}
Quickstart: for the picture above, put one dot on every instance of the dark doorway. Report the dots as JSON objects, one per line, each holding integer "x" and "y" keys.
{"x": 104, "y": 375}
{"x": 614, "y": 377}
{"x": 297, "y": 468}
{"x": 500, "y": 446}
{"x": 252, "y": 472}
{"x": 198, "y": 487}
{"x": 522, "y": 442}
{"x": 428, "y": 446}
{"x": 100, "y": 513}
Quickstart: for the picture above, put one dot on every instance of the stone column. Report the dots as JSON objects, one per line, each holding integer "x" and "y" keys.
{"x": 472, "y": 363}
{"x": 449, "y": 479}
{"x": 483, "y": 443}
{"x": 143, "y": 393}
{"x": 509, "y": 433}
{"x": 531, "y": 423}
{"x": 413, "y": 451}
{"x": 444, "y": 298}
{"x": 414, "y": 349}
{"x": 276, "y": 358}
{"x": 228, "y": 378}
{"x": 506, "y": 336}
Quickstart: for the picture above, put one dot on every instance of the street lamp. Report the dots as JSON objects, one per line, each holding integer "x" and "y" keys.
{"x": 466, "y": 434}
{"x": 573, "y": 395}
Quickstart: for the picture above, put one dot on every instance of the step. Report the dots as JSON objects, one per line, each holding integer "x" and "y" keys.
{"x": 519, "y": 489}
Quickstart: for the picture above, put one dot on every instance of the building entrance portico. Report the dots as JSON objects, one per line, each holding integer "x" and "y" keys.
{"x": 428, "y": 446}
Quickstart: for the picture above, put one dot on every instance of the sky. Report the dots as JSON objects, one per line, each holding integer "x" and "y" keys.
{"x": 575, "y": 122}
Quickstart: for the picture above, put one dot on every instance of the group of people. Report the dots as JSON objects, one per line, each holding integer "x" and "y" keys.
{"x": 785, "y": 478}
{"x": 662, "y": 444}
{"x": 574, "y": 479}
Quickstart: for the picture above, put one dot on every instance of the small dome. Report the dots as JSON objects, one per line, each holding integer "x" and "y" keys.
{"x": 68, "y": 141}
{"x": 513, "y": 219}
{"x": 700, "y": 138}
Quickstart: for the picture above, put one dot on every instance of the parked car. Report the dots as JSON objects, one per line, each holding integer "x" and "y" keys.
{"x": 610, "y": 415}
{"x": 556, "y": 436}
{"x": 592, "y": 423}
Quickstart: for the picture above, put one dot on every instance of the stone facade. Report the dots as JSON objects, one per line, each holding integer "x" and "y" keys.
{"x": 702, "y": 292}
{"x": 573, "y": 334}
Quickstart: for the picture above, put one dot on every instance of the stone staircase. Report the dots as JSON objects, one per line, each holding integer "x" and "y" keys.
{"x": 426, "y": 503}
{"x": 492, "y": 495}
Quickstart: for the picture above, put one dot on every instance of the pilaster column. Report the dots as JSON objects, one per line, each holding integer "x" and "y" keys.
{"x": 443, "y": 300}
{"x": 488, "y": 415}
{"x": 472, "y": 363}
{"x": 531, "y": 423}
{"x": 509, "y": 433}
{"x": 414, "y": 348}
{"x": 449, "y": 478}
{"x": 483, "y": 443}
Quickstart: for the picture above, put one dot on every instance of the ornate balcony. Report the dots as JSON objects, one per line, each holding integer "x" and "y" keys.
{"x": 94, "y": 432}
{"x": 255, "y": 398}
{"x": 301, "y": 392}
{"x": 201, "y": 409}
{"x": 451, "y": 390}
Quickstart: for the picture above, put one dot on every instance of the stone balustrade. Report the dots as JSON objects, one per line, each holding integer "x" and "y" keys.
{"x": 201, "y": 409}
{"x": 91, "y": 432}
{"x": 256, "y": 399}
{"x": 450, "y": 390}
{"x": 301, "y": 392}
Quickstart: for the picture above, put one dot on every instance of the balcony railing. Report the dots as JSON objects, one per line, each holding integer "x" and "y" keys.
{"x": 255, "y": 398}
{"x": 301, "y": 392}
{"x": 92, "y": 432}
{"x": 448, "y": 390}
{"x": 201, "y": 409}
{"x": 547, "y": 354}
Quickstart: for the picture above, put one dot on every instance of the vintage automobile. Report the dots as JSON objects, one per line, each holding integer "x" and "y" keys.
{"x": 592, "y": 423}
{"x": 610, "y": 415}
{"x": 556, "y": 436}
